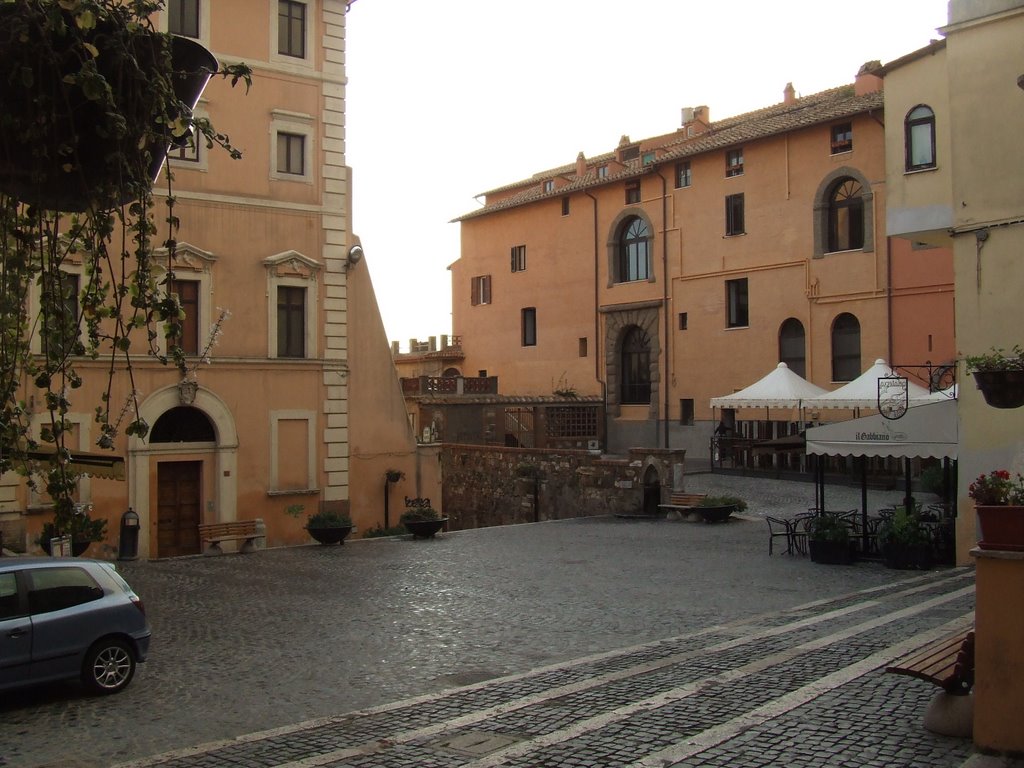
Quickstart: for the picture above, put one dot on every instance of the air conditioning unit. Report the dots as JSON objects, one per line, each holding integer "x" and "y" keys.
{"x": 593, "y": 446}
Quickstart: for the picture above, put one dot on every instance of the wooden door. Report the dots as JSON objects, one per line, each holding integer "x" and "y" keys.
{"x": 179, "y": 495}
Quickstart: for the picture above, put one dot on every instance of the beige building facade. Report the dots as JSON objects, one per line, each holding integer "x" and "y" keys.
{"x": 299, "y": 408}
{"x": 686, "y": 266}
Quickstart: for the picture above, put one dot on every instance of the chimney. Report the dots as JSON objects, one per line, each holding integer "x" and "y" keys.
{"x": 444, "y": 341}
{"x": 581, "y": 165}
{"x": 432, "y": 343}
{"x": 789, "y": 94}
{"x": 687, "y": 115}
{"x": 867, "y": 81}
{"x": 703, "y": 114}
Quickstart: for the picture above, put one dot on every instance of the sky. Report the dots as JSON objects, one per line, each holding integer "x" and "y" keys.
{"x": 447, "y": 99}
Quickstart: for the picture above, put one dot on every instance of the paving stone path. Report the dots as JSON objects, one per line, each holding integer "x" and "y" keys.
{"x": 589, "y": 642}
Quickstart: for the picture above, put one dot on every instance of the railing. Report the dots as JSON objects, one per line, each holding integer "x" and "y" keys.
{"x": 450, "y": 385}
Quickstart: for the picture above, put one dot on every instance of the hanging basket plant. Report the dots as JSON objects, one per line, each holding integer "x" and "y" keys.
{"x": 91, "y": 97}
{"x": 1000, "y": 376}
{"x": 87, "y": 118}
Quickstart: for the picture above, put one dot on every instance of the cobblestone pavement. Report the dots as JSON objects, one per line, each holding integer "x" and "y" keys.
{"x": 590, "y": 642}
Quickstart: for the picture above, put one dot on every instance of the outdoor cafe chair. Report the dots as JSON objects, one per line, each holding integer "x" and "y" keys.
{"x": 779, "y": 529}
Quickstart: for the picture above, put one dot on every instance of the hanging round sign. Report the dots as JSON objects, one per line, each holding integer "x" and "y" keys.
{"x": 893, "y": 396}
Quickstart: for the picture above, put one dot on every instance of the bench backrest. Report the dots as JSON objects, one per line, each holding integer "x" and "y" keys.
{"x": 227, "y": 528}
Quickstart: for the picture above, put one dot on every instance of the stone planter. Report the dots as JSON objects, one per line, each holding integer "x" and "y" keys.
{"x": 714, "y": 514}
{"x": 332, "y": 535}
{"x": 424, "y": 529}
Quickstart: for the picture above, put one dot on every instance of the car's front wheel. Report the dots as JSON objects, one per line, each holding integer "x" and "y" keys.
{"x": 108, "y": 666}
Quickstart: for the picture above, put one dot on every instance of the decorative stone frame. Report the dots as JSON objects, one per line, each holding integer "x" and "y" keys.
{"x": 291, "y": 268}
{"x": 821, "y": 204}
{"x": 612, "y": 246}
{"x": 299, "y": 124}
{"x": 618, "y": 320}
{"x": 190, "y": 263}
{"x": 285, "y": 61}
{"x": 309, "y": 417}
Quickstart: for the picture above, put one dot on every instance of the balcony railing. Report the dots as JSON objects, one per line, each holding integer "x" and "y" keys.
{"x": 450, "y": 385}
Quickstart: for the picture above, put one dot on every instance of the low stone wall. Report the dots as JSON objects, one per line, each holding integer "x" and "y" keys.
{"x": 491, "y": 485}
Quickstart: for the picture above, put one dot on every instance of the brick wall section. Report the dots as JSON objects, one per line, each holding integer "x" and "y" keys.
{"x": 482, "y": 487}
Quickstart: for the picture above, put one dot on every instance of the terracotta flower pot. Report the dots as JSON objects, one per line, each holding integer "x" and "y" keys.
{"x": 1002, "y": 527}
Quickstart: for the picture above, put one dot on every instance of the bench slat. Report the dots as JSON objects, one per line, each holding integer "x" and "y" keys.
{"x": 947, "y": 662}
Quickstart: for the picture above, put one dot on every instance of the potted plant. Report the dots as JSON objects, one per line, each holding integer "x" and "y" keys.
{"x": 999, "y": 501}
{"x": 73, "y": 520}
{"x": 329, "y": 527}
{"x": 421, "y": 519}
{"x": 718, "y": 509}
{"x": 829, "y": 540}
{"x": 999, "y": 375}
{"x": 904, "y": 542}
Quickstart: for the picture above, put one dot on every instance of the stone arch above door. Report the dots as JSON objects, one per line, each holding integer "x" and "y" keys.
{"x": 616, "y": 324}
{"x": 143, "y": 455}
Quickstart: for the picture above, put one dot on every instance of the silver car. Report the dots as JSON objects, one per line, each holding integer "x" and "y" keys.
{"x": 69, "y": 618}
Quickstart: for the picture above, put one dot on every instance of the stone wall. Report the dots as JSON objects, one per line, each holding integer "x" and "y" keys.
{"x": 492, "y": 485}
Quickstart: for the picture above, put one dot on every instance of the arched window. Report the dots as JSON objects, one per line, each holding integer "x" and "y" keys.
{"x": 920, "y": 138}
{"x": 634, "y": 250}
{"x": 636, "y": 367}
{"x": 792, "y": 347}
{"x": 845, "y": 348}
{"x": 846, "y": 216}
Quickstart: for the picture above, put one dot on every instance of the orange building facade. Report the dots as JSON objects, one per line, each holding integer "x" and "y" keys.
{"x": 686, "y": 266}
{"x": 299, "y": 408}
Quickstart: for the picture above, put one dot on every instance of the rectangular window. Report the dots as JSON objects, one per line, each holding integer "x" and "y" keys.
{"x": 734, "y": 215}
{"x": 583, "y": 346}
{"x": 632, "y": 192}
{"x": 291, "y": 321}
{"x": 61, "y": 323}
{"x": 518, "y": 258}
{"x": 549, "y": 186}
{"x": 682, "y": 321}
{"x": 602, "y": 172}
{"x": 565, "y": 206}
{"x": 529, "y": 327}
{"x": 291, "y": 153}
{"x": 183, "y": 17}
{"x": 189, "y": 151}
{"x": 187, "y": 292}
{"x": 686, "y": 412}
{"x": 842, "y": 138}
{"x": 291, "y": 28}
{"x": 630, "y": 153}
{"x": 480, "y": 290}
{"x": 648, "y": 158}
{"x": 683, "y": 177}
{"x": 737, "y": 308}
{"x": 734, "y": 162}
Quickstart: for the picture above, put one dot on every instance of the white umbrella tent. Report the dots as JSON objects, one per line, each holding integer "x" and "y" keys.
{"x": 862, "y": 392}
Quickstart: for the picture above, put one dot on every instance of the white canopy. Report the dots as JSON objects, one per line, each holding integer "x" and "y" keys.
{"x": 779, "y": 389}
{"x": 862, "y": 392}
{"x": 927, "y": 431}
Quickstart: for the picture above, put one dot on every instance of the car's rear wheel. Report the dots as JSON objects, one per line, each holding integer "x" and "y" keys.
{"x": 108, "y": 666}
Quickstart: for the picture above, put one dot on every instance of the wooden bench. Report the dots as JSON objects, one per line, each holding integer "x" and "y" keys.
{"x": 233, "y": 530}
{"x": 947, "y": 662}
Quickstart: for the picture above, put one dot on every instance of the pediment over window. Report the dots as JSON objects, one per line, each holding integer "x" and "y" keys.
{"x": 187, "y": 258}
{"x": 292, "y": 264}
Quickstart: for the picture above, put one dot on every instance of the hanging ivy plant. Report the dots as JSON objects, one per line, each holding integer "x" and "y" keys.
{"x": 93, "y": 95}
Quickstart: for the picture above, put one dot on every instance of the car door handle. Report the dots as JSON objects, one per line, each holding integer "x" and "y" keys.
{"x": 20, "y": 631}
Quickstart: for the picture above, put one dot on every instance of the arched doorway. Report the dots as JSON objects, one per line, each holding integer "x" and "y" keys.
{"x": 179, "y": 484}
{"x": 184, "y": 472}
